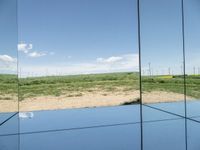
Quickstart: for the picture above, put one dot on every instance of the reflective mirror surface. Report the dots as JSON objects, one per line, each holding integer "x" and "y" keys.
{"x": 162, "y": 75}
{"x": 8, "y": 71}
{"x": 83, "y": 54}
{"x": 162, "y": 55}
{"x": 8, "y": 57}
{"x": 192, "y": 36}
{"x": 77, "y": 74}
{"x": 9, "y": 120}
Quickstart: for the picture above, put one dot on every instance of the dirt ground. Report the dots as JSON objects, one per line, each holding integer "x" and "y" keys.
{"x": 88, "y": 100}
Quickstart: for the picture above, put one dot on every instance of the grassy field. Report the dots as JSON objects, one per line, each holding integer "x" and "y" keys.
{"x": 173, "y": 84}
{"x": 77, "y": 85}
{"x": 8, "y": 87}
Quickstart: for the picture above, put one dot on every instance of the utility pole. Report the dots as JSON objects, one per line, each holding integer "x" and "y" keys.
{"x": 47, "y": 72}
{"x": 194, "y": 70}
{"x": 143, "y": 72}
{"x": 152, "y": 72}
{"x": 169, "y": 71}
{"x": 149, "y": 68}
{"x": 182, "y": 70}
{"x": 20, "y": 72}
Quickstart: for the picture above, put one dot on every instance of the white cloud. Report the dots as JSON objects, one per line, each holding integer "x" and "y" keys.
{"x": 126, "y": 61}
{"x": 8, "y": 64}
{"x": 7, "y": 59}
{"x": 36, "y": 54}
{"x": 112, "y": 59}
{"x": 27, "y": 48}
{"x": 24, "y": 47}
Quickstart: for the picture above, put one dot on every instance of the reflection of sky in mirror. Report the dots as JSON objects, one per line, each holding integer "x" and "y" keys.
{"x": 8, "y": 36}
{"x": 192, "y": 28}
{"x": 161, "y": 36}
{"x": 67, "y": 38}
{"x": 77, "y": 36}
{"x": 26, "y": 115}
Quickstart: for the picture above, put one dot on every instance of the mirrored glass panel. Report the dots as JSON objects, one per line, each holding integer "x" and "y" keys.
{"x": 162, "y": 57}
{"x": 162, "y": 75}
{"x": 193, "y": 135}
{"x": 9, "y": 121}
{"x": 117, "y": 137}
{"x": 164, "y": 135}
{"x": 8, "y": 68}
{"x": 192, "y": 38}
{"x": 78, "y": 54}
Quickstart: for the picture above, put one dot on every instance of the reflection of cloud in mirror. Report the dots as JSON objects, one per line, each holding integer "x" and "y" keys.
{"x": 7, "y": 59}
{"x": 121, "y": 63}
{"x": 36, "y": 54}
{"x": 112, "y": 59}
{"x": 8, "y": 64}
{"x": 23, "y": 47}
{"x": 27, "y": 48}
{"x": 26, "y": 115}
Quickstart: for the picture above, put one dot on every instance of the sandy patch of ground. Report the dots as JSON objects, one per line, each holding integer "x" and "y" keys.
{"x": 8, "y": 105}
{"x": 161, "y": 96}
{"x": 85, "y": 100}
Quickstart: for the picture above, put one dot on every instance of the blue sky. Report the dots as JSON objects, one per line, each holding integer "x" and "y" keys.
{"x": 8, "y": 36}
{"x": 67, "y": 33}
{"x": 192, "y": 33}
{"x": 161, "y": 35}
{"x": 95, "y": 36}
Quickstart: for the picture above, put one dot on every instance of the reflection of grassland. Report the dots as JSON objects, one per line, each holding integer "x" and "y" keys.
{"x": 193, "y": 86}
{"x": 173, "y": 84}
{"x": 8, "y": 87}
{"x": 76, "y": 85}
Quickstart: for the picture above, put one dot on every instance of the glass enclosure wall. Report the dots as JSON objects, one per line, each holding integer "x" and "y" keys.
{"x": 162, "y": 55}
{"x": 162, "y": 75}
{"x": 192, "y": 36}
{"x": 67, "y": 54}
{"x": 8, "y": 75}
{"x": 192, "y": 52}
{"x": 83, "y": 54}
{"x": 78, "y": 54}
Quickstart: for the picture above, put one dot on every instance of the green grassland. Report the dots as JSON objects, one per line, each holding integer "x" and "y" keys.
{"x": 173, "y": 84}
{"x": 76, "y": 85}
{"x": 8, "y": 87}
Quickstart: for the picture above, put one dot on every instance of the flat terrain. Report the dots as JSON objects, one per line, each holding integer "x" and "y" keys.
{"x": 78, "y": 85}
{"x": 173, "y": 84}
{"x": 8, "y": 87}
{"x": 81, "y": 91}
